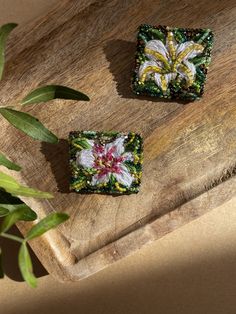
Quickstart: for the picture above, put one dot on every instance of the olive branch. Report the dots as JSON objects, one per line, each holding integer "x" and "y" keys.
{"x": 12, "y": 209}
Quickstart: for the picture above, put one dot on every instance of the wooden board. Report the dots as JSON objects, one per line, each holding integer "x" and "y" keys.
{"x": 189, "y": 150}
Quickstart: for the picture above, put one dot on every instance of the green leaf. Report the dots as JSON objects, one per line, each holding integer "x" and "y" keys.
{"x": 12, "y": 186}
{"x": 1, "y": 268}
{"x": 21, "y": 213}
{"x": 28, "y": 124}
{"x": 3, "y": 211}
{"x": 29, "y": 192}
{"x": 28, "y": 214}
{"x": 179, "y": 35}
{"x": 157, "y": 34}
{"x": 49, "y": 92}
{"x": 201, "y": 60}
{"x": 4, "y": 32}
{"x": 142, "y": 37}
{"x": 200, "y": 75}
{"x": 47, "y": 223}
{"x": 81, "y": 143}
{"x": 130, "y": 166}
{"x": 7, "y": 182}
{"x": 203, "y": 36}
{"x": 8, "y": 164}
{"x": 25, "y": 266}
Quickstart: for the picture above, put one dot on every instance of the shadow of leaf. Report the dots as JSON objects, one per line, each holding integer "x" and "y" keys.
{"x": 10, "y": 251}
{"x": 58, "y": 157}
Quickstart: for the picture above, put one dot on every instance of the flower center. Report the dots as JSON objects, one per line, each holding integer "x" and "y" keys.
{"x": 106, "y": 161}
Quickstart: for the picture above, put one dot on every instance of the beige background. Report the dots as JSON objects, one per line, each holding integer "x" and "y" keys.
{"x": 191, "y": 271}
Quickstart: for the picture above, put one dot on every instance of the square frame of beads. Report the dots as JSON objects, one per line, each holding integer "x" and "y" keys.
{"x": 171, "y": 63}
{"x": 105, "y": 162}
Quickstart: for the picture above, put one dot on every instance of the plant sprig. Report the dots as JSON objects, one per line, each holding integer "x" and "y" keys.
{"x": 25, "y": 214}
{"x": 12, "y": 209}
{"x": 22, "y": 120}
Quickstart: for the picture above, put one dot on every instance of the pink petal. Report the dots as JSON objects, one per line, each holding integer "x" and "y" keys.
{"x": 116, "y": 147}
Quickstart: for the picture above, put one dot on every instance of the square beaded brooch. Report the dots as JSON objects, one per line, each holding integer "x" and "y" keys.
{"x": 171, "y": 62}
{"x": 105, "y": 162}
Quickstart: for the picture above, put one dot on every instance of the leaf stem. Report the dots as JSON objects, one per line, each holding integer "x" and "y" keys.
{"x": 11, "y": 237}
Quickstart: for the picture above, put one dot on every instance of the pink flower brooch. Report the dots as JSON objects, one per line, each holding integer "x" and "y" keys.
{"x": 105, "y": 162}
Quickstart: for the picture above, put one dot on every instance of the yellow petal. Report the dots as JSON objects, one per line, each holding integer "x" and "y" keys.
{"x": 161, "y": 81}
{"x": 159, "y": 53}
{"x": 190, "y": 50}
{"x": 148, "y": 67}
{"x": 171, "y": 44}
{"x": 185, "y": 71}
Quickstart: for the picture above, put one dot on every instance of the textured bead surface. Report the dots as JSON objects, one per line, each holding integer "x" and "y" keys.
{"x": 171, "y": 62}
{"x": 105, "y": 162}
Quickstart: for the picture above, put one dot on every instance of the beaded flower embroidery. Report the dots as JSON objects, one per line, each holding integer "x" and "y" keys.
{"x": 105, "y": 162}
{"x": 108, "y": 159}
{"x": 166, "y": 62}
{"x": 172, "y": 62}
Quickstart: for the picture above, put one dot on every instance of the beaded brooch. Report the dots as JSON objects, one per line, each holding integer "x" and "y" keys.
{"x": 105, "y": 162}
{"x": 171, "y": 62}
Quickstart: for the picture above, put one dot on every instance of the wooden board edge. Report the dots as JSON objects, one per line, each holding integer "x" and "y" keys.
{"x": 130, "y": 243}
{"x": 53, "y": 251}
{"x": 58, "y": 260}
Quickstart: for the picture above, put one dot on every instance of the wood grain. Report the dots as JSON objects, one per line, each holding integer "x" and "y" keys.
{"x": 189, "y": 150}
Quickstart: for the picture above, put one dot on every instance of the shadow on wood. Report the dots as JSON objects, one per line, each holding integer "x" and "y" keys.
{"x": 58, "y": 156}
{"x": 121, "y": 55}
{"x": 10, "y": 251}
{"x": 196, "y": 285}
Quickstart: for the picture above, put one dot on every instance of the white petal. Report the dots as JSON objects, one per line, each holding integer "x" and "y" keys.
{"x": 157, "y": 79}
{"x": 157, "y": 46}
{"x": 85, "y": 158}
{"x": 128, "y": 156}
{"x": 147, "y": 64}
{"x": 183, "y": 46}
{"x": 187, "y": 71}
{"x": 192, "y": 52}
{"x": 163, "y": 81}
{"x": 117, "y": 145}
{"x": 124, "y": 177}
{"x": 98, "y": 179}
{"x": 191, "y": 67}
{"x": 170, "y": 77}
{"x": 182, "y": 75}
